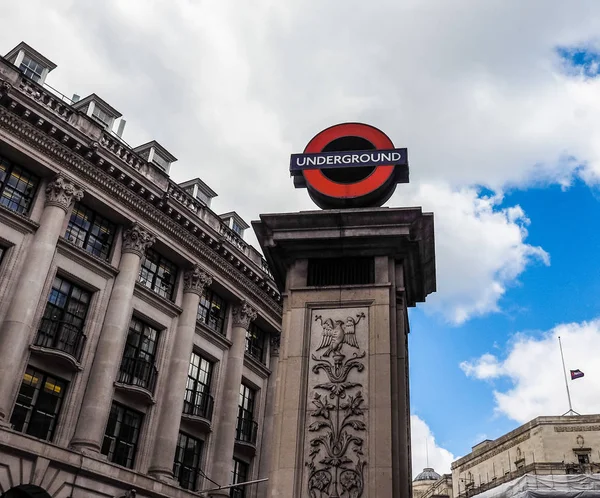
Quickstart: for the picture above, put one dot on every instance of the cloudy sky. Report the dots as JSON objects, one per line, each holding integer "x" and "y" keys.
{"x": 498, "y": 102}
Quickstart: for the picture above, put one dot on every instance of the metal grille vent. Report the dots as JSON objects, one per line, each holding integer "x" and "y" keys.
{"x": 341, "y": 271}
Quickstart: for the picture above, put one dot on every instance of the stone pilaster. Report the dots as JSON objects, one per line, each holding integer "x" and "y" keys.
{"x": 16, "y": 332}
{"x": 266, "y": 450}
{"x": 242, "y": 314}
{"x": 98, "y": 395}
{"x": 165, "y": 444}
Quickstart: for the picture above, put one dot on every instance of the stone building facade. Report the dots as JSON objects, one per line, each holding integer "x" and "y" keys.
{"x": 543, "y": 446}
{"x": 138, "y": 331}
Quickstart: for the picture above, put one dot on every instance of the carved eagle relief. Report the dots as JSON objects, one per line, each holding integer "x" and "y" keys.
{"x": 336, "y": 333}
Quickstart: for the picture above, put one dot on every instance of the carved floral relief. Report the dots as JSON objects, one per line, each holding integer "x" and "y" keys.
{"x": 337, "y": 408}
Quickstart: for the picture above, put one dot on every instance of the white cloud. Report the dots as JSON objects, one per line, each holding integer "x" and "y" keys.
{"x": 422, "y": 442}
{"x": 533, "y": 367}
{"x": 473, "y": 89}
{"x": 480, "y": 249}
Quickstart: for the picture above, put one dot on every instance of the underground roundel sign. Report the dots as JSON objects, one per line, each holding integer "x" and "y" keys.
{"x": 350, "y": 165}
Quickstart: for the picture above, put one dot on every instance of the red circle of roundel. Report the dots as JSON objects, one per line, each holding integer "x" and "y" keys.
{"x": 317, "y": 180}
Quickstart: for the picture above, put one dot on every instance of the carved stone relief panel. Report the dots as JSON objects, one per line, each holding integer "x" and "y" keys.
{"x": 335, "y": 449}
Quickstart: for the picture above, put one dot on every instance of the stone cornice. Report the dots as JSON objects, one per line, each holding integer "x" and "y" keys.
{"x": 159, "y": 302}
{"x": 256, "y": 366}
{"x": 17, "y": 221}
{"x": 217, "y": 339}
{"x": 161, "y": 223}
{"x": 86, "y": 259}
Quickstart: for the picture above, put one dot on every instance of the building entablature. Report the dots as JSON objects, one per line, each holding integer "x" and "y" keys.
{"x": 99, "y": 158}
{"x": 482, "y": 451}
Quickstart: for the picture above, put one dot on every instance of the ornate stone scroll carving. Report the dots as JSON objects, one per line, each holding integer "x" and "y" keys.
{"x": 243, "y": 314}
{"x": 62, "y": 191}
{"x": 337, "y": 405}
{"x": 275, "y": 344}
{"x": 137, "y": 239}
{"x": 196, "y": 280}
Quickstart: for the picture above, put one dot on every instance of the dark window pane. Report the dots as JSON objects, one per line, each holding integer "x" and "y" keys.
{"x": 38, "y": 404}
{"x": 255, "y": 342}
{"x": 198, "y": 400}
{"x": 90, "y": 231}
{"x": 121, "y": 435}
{"x": 64, "y": 318}
{"x": 239, "y": 474}
{"x": 187, "y": 461}
{"x": 211, "y": 311}
{"x": 158, "y": 273}
{"x": 17, "y": 187}
{"x": 138, "y": 363}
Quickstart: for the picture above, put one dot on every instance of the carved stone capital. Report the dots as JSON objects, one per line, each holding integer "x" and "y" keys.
{"x": 62, "y": 192}
{"x": 242, "y": 314}
{"x": 196, "y": 280}
{"x": 137, "y": 239}
{"x": 275, "y": 344}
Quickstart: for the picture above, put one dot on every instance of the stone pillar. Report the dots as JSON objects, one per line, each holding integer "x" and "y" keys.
{"x": 242, "y": 315}
{"x": 266, "y": 450}
{"x": 15, "y": 334}
{"x": 342, "y": 411}
{"x": 99, "y": 392}
{"x": 165, "y": 443}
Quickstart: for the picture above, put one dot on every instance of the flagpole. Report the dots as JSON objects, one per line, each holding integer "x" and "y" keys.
{"x": 571, "y": 411}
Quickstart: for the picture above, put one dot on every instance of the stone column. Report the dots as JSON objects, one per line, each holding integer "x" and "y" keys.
{"x": 99, "y": 392}
{"x": 15, "y": 334}
{"x": 165, "y": 443}
{"x": 266, "y": 449}
{"x": 242, "y": 315}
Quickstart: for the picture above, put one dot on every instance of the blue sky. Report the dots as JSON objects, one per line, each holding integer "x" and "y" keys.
{"x": 498, "y": 103}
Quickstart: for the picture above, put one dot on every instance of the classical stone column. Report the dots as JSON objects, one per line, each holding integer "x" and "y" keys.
{"x": 266, "y": 449}
{"x": 15, "y": 334}
{"x": 242, "y": 315}
{"x": 165, "y": 443}
{"x": 99, "y": 392}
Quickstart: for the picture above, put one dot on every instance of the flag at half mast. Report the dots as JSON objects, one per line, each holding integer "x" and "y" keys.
{"x": 576, "y": 374}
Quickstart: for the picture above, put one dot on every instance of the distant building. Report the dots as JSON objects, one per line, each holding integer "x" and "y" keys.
{"x": 139, "y": 332}
{"x": 429, "y": 484}
{"x": 544, "y": 446}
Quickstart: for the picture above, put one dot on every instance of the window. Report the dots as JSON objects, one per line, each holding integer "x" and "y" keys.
{"x": 137, "y": 366}
{"x": 211, "y": 311}
{"x": 121, "y": 435}
{"x": 237, "y": 228}
{"x": 239, "y": 474}
{"x": 255, "y": 342}
{"x": 158, "y": 273}
{"x": 32, "y": 69}
{"x": 583, "y": 458}
{"x": 101, "y": 116}
{"x": 197, "y": 400}
{"x": 17, "y": 187}
{"x": 2, "y": 253}
{"x": 64, "y": 318}
{"x": 187, "y": 461}
{"x": 38, "y": 404}
{"x": 246, "y": 426}
{"x": 90, "y": 231}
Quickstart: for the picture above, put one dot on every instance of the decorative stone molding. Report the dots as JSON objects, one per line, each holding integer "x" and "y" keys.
{"x": 275, "y": 344}
{"x": 89, "y": 172}
{"x": 62, "y": 192}
{"x": 242, "y": 314}
{"x": 577, "y": 428}
{"x": 196, "y": 280}
{"x": 137, "y": 239}
{"x": 337, "y": 447}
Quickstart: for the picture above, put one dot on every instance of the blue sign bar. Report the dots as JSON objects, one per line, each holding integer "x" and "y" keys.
{"x": 348, "y": 159}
